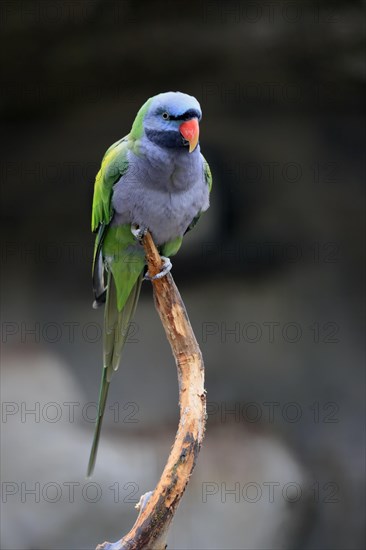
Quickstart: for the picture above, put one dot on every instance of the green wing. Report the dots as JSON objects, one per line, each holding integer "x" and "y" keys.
{"x": 116, "y": 252}
{"x": 208, "y": 178}
{"x": 207, "y": 173}
{"x": 115, "y": 249}
{"x": 114, "y": 165}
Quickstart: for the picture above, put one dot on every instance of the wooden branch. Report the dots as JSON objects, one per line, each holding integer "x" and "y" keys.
{"x": 157, "y": 509}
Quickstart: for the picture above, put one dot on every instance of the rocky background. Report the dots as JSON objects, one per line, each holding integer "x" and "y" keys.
{"x": 272, "y": 277}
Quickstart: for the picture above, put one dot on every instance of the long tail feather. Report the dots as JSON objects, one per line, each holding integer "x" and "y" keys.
{"x": 116, "y": 325}
{"x": 103, "y": 394}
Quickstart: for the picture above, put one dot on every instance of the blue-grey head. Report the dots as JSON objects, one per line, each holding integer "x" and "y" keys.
{"x": 170, "y": 119}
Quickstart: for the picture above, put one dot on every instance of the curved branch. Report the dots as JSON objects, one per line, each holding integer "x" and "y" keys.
{"x": 157, "y": 509}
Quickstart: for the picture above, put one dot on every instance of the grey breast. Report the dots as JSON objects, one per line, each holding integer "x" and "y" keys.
{"x": 163, "y": 194}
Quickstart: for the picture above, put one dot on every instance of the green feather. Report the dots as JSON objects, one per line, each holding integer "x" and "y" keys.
{"x": 171, "y": 248}
{"x": 103, "y": 394}
{"x": 116, "y": 325}
{"x": 114, "y": 165}
{"x": 138, "y": 126}
{"x": 207, "y": 173}
{"x": 124, "y": 259}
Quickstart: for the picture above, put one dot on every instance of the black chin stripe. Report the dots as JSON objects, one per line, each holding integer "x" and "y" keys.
{"x": 191, "y": 113}
{"x": 167, "y": 138}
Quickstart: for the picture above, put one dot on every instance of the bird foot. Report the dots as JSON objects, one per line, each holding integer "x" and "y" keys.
{"x": 138, "y": 232}
{"x": 167, "y": 265}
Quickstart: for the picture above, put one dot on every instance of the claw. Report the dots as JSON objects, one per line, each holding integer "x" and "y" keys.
{"x": 167, "y": 265}
{"x": 138, "y": 232}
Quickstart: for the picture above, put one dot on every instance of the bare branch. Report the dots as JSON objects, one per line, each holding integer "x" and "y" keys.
{"x": 157, "y": 509}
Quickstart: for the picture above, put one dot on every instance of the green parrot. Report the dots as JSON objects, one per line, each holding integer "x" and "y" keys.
{"x": 153, "y": 179}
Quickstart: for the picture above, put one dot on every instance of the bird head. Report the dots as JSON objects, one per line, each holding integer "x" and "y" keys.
{"x": 170, "y": 120}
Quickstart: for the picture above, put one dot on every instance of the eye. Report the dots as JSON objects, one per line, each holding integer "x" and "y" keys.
{"x": 165, "y": 115}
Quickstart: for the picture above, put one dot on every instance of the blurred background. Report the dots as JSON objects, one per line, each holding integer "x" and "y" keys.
{"x": 272, "y": 276}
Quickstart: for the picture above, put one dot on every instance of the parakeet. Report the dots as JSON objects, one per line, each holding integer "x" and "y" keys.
{"x": 155, "y": 179}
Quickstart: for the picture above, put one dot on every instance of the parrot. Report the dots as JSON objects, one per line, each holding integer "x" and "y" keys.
{"x": 154, "y": 179}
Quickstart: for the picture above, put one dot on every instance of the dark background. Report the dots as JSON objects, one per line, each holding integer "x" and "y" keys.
{"x": 272, "y": 277}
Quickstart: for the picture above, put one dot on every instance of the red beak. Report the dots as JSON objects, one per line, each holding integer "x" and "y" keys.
{"x": 190, "y": 130}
